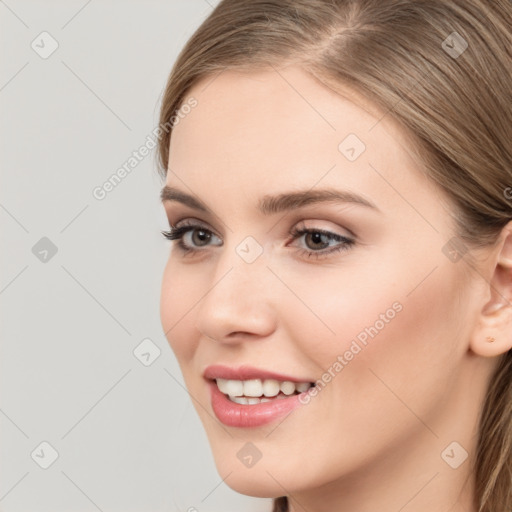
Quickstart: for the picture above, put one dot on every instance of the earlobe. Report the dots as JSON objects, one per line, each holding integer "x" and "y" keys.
{"x": 492, "y": 335}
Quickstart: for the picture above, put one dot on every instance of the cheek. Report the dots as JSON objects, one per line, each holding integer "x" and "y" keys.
{"x": 177, "y": 300}
{"x": 394, "y": 299}
{"x": 401, "y": 351}
{"x": 397, "y": 325}
{"x": 336, "y": 310}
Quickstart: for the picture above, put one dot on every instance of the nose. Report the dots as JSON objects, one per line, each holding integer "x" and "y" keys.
{"x": 238, "y": 303}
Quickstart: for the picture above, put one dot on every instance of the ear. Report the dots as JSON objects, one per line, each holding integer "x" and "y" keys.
{"x": 492, "y": 335}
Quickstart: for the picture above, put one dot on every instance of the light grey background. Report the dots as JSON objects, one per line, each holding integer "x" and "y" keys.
{"x": 126, "y": 434}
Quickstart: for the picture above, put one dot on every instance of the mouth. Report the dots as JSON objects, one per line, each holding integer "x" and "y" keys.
{"x": 255, "y": 402}
{"x": 256, "y": 391}
{"x": 247, "y": 396}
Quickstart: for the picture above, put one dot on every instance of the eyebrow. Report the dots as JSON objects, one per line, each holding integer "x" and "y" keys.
{"x": 269, "y": 205}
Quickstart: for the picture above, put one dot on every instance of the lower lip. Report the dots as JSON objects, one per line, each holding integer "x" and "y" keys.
{"x": 241, "y": 415}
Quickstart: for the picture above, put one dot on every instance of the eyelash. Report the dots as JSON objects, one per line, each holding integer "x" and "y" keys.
{"x": 176, "y": 234}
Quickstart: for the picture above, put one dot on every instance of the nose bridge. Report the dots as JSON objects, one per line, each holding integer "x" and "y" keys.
{"x": 238, "y": 297}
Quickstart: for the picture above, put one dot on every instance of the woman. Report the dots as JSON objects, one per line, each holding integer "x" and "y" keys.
{"x": 338, "y": 290}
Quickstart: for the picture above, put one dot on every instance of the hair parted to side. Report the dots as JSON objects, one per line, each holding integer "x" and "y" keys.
{"x": 457, "y": 109}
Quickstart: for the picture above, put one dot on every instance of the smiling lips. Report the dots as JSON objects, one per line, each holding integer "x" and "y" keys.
{"x": 249, "y": 397}
{"x": 255, "y": 391}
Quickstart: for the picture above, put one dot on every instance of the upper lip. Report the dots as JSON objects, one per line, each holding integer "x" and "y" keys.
{"x": 245, "y": 372}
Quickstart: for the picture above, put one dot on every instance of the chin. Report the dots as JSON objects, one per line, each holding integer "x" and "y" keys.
{"x": 262, "y": 480}
{"x": 266, "y": 487}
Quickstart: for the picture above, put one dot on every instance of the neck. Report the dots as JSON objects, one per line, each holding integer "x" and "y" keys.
{"x": 424, "y": 472}
{"x": 413, "y": 478}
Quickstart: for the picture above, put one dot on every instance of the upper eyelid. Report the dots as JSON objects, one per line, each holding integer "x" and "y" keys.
{"x": 337, "y": 217}
{"x": 188, "y": 220}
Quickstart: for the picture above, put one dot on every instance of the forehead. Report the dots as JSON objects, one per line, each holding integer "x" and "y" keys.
{"x": 244, "y": 111}
{"x": 267, "y": 130}
{"x": 276, "y": 99}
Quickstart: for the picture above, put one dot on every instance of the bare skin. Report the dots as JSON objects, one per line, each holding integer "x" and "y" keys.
{"x": 376, "y": 436}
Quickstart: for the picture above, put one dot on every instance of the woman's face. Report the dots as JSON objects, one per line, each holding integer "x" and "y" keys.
{"x": 377, "y": 311}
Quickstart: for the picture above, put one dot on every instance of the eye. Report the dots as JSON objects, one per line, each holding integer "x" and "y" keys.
{"x": 191, "y": 236}
{"x": 319, "y": 239}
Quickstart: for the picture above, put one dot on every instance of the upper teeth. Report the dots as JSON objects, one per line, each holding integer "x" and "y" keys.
{"x": 257, "y": 387}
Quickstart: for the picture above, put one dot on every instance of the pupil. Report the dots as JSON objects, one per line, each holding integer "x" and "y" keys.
{"x": 202, "y": 235}
{"x": 316, "y": 238}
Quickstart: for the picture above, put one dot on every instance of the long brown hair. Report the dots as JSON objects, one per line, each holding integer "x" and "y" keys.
{"x": 443, "y": 71}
